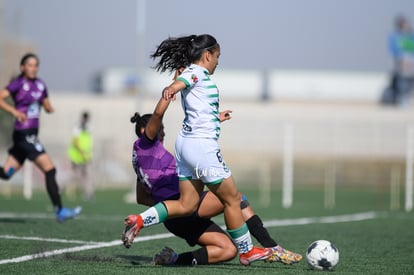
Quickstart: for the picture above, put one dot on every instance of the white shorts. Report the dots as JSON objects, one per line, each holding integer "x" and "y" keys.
{"x": 200, "y": 158}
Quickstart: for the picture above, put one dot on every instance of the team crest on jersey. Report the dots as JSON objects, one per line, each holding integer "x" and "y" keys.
{"x": 26, "y": 87}
{"x": 36, "y": 95}
{"x": 194, "y": 78}
{"x": 40, "y": 86}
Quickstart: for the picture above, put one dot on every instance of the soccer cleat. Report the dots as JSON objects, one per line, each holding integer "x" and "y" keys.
{"x": 255, "y": 254}
{"x": 67, "y": 213}
{"x": 167, "y": 256}
{"x": 279, "y": 254}
{"x": 131, "y": 230}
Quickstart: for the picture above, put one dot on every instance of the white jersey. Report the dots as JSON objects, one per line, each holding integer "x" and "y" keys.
{"x": 200, "y": 102}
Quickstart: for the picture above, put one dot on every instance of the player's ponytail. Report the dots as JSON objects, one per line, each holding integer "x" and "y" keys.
{"x": 140, "y": 122}
{"x": 179, "y": 52}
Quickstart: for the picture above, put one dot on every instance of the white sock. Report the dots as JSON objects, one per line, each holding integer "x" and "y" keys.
{"x": 150, "y": 217}
{"x": 242, "y": 239}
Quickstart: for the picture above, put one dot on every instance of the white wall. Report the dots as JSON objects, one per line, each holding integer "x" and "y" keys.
{"x": 294, "y": 85}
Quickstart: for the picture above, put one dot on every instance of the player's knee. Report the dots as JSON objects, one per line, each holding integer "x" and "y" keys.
{"x": 244, "y": 202}
{"x": 187, "y": 211}
{"x": 187, "y": 207}
{"x": 226, "y": 248}
{"x": 229, "y": 252}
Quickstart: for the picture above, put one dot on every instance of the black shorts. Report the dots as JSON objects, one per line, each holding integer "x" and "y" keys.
{"x": 26, "y": 145}
{"x": 192, "y": 227}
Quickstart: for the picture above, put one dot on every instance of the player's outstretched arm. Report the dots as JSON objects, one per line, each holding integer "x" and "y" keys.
{"x": 170, "y": 91}
{"x": 155, "y": 122}
{"x": 47, "y": 105}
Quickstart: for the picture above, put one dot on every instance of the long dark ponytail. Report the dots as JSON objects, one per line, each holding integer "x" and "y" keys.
{"x": 179, "y": 52}
{"x": 140, "y": 122}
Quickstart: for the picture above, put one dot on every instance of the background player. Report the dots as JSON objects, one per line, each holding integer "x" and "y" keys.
{"x": 29, "y": 94}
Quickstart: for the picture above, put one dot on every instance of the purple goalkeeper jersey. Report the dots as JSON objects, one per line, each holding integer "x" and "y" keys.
{"x": 28, "y": 96}
{"x": 155, "y": 168}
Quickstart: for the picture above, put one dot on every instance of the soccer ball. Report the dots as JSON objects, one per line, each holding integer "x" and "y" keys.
{"x": 322, "y": 255}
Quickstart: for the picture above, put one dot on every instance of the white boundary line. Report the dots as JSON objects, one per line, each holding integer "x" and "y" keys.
{"x": 12, "y": 237}
{"x": 328, "y": 219}
{"x": 51, "y": 216}
{"x": 91, "y": 245}
{"x": 80, "y": 248}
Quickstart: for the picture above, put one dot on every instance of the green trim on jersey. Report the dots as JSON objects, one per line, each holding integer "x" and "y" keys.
{"x": 214, "y": 182}
{"x": 211, "y": 86}
{"x": 185, "y": 178}
{"x": 187, "y": 84}
{"x": 213, "y": 95}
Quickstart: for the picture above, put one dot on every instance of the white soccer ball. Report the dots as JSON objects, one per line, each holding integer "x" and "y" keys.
{"x": 322, "y": 255}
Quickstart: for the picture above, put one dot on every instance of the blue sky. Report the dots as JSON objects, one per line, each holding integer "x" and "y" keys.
{"x": 78, "y": 38}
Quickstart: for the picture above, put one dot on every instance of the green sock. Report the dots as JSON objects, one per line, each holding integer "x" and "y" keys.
{"x": 241, "y": 237}
{"x": 154, "y": 215}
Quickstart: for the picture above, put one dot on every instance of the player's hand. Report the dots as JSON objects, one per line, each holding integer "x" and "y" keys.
{"x": 21, "y": 117}
{"x": 168, "y": 93}
{"x": 225, "y": 115}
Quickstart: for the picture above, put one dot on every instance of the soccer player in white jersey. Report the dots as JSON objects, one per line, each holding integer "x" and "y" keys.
{"x": 198, "y": 156}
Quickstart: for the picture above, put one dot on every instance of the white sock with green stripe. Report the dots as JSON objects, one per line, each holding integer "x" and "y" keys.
{"x": 242, "y": 239}
{"x": 154, "y": 215}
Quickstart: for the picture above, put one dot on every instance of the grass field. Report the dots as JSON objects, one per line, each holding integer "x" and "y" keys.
{"x": 32, "y": 242}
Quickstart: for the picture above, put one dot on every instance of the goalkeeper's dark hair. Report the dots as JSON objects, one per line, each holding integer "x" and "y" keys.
{"x": 24, "y": 60}
{"x": 140, "y": 122}
{"x": 27, "y": 56}
{"x": 178, "y": 52}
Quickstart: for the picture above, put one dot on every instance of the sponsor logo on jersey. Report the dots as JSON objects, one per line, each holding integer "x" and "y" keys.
{"x": 40, "y": 86}
{"x": 26, "y": 87}
{"x": 36, "y": 95}
{"x": 187, "y": 127}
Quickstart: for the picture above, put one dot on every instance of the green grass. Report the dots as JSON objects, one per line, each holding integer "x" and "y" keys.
{"x": 383, "y": 245}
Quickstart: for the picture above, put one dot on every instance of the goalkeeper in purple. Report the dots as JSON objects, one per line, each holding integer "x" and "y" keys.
{"x": 29, "y": 94}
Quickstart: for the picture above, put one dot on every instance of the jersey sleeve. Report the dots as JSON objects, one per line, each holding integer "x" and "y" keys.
{"x": 189, "y": 77}
{"x": 13, "y": 86}
{"x": 44, "y": 93}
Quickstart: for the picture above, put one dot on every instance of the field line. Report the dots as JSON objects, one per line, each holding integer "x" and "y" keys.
{"x": 329, "y": 219}
{"x": 51, "y": 216}
{"x": 272, "y": 223}
{"x": 79, "y": 248}
{"x": 13, "y": 237}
